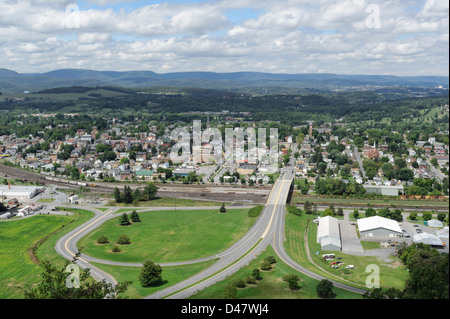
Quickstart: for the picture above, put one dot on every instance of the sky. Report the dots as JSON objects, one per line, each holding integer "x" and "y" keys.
{"x": 382, "y": 37}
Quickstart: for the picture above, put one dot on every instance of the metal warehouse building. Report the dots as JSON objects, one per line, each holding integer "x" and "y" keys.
{"x": 20, "y": 192}
{"x": 328, "y": 233}
{"x": 428, "y": 239}
{"x": 385, "y": 190}
{"x": 377, "y": 226}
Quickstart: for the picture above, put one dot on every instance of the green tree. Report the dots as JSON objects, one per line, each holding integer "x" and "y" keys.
{"x": 370, "y": 212}
{"x": 324, "y": 289}
{"x": 127, "y": 195}
{"x": 256, "y": 273}
{"x": 222, "y": 208}
{"x": 102, "y": 240}
{"x": 230, "y": 291}
{"x": 150, "y": 275}
{"x": 265, "y": 265}
{"x": 135, "y": 217}
{"x": 149, "y": 192}
{"x": 117, "y": 195}
{"x": 124, "y": 220}
{"x": 123, "y": 240}
{"x": 292, "y": 280}
{"x": 65, "y": 284}
{"x": 427, "y": 215}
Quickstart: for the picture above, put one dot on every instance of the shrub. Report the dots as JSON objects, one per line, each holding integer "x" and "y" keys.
{"x": 116, "y": 249}
{"x": 102, "y": 240}
{"x": 255, "y": 211}
{"x": 230, "y": 292}
{"x": 124, "y": 220}
{"x": 265, "y": 265}
{"x": 270, "y": 259}
{"x": 292, "y": 280}
{"x": 250, "y": 280}
{"x": 123, "y": 240}
{"x": 294, "y": 210}
{"x": 256, "y": 273}
{"x": 239, "y": 283}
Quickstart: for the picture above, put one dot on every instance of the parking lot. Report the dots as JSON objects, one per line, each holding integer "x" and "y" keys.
{"x": 351, "y": 244}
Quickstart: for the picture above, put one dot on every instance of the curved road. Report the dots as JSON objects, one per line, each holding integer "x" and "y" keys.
{"x": 267, "y": 230}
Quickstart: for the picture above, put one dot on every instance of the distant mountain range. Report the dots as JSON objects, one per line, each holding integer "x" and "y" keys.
{"x": 11, "y": 81}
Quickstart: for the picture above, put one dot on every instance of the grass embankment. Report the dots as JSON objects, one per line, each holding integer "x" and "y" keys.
{"x": 270, "y": 285}
{"x": 170, "y": 236}
{"x": 26, "y": 242}
{"x": 363, "y": 202}
{"x": 166, "y": 202}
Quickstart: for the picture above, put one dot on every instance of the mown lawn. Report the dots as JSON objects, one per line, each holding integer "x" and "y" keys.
{"x": 271, "y": 284}
{"x": 168, "y": 202}
{"x": 170, "y": 275}
{"x": 170, "y": 236}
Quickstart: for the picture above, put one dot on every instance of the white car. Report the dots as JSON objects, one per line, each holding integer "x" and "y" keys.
{"x": 350, "y": 267}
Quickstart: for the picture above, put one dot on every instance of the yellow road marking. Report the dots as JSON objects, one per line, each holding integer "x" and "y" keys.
{"x": 70, "y": 252}
{"x": 247, "y": 252}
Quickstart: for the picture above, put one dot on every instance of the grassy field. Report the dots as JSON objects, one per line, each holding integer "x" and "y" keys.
{"x": 169, "y": 236}
{"x": 298, "y": 198}
{"x": 170, "y": 275}
{"x": 271, "y": 284}
{"x": 168, "y": 202}
{"x": 17, "y": 270}
{"x": 18, "y": 267}
{"x": 392, "y": 274}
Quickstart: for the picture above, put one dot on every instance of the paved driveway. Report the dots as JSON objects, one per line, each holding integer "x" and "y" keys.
{"x": 349, "y": 239}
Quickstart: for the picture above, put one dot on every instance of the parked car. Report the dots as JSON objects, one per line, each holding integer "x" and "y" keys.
{"x": 418, "y": 230}
{"x": 333, "y": 263}
{"x": 350, "y": 267}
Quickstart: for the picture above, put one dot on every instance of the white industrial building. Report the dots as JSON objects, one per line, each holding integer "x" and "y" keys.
{"x": 328, "y": 233}
{"x": 428, "y": 239}
{"x": 377, "y": 226}
{"x": 442, "y": 233}
{"x": 434, "y": 223}
{"x": 19, "y": 192}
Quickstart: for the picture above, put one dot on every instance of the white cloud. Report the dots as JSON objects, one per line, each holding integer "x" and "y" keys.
{"x": 291, "y": 36}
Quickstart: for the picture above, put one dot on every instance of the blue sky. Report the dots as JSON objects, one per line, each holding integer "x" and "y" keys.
{"x": 410, "y": 37}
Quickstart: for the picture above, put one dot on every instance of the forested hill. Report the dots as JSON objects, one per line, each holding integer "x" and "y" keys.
{"x": 11, "y": 81}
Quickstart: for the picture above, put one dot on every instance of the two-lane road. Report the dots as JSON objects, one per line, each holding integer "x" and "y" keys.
{"x": 267, "y": 230}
